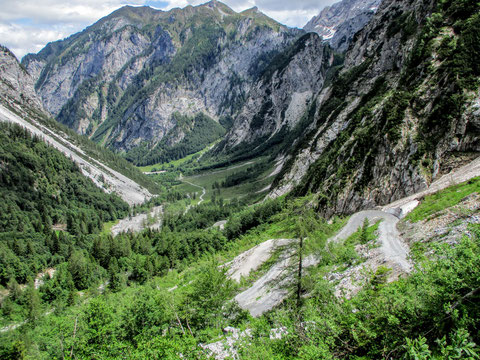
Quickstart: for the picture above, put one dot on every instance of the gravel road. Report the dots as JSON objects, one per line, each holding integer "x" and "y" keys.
{"x": 392, "y": 245}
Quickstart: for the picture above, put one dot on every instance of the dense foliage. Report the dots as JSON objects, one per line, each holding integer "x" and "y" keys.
{"x": 92, "y": 149}
{"x": 432, "y": 314}
{"x": 41, "y": 189}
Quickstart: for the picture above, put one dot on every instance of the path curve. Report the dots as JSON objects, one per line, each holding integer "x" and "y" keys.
{"x": 392, "y": 245}
{"x": 204, "y": 191}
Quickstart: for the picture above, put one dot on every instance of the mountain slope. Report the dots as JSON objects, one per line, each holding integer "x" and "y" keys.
{"x": 275, "y": 107}
{"x": 401, "y": 112}
{"x": 20, "y": 105}
{"x": 122, "y": 80}
{"x": 337, "y": 24}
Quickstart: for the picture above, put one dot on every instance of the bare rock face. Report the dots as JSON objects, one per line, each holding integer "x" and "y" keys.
{"x": 278, "y": 101}
{"x": 370, "y": 141}
{"x": 16, "y": 84}
{"x": 337, "y": 24}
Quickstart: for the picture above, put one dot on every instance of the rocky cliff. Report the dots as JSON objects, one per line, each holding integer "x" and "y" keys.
{"x": 278, "y": 100}
{"x": 337, "y": 24}
{"x": 403, "y": 110}
{"x": 16, "y": 84}
{"x": 20, "y": 105}
{"x": 122, "y": 80}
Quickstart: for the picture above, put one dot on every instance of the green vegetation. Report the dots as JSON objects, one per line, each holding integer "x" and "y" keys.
{"x": 444, "y": 52}
{"x": 281, "y": 61}
{"x": 363, "y": 235}
{"x": 196, "y": 132}
{"x": 161, "y": 294}
{"x": 197, "y": 37}
{"x": 357, "y": 144}
{"x": 166, "y": 295}
{"x": 457, "y": 74}
{"x": 180, "y": 163}
{"x": 90, "y": 148}
{"x": 441, "y": 200}
{"x": 249, "y": 190}
{"x": 243, "y": 176}
{"x": 42, "y": 189}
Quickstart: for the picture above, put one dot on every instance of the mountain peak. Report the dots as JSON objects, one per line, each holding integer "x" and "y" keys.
{"x": 338, "y": 23}
{"x": 219, "y": 6}
{"x": 253, "y": 10}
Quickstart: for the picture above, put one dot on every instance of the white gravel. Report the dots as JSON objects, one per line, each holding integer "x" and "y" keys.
{"x": 392, "y": 246}
{"x": 137, "y": 223}
{"x": 252, "y": 259}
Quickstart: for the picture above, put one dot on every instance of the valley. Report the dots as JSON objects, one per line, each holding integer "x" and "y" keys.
{"x": 206, "y": 183}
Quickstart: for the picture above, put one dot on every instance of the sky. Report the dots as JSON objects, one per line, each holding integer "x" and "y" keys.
{"x": 26, "y": 26}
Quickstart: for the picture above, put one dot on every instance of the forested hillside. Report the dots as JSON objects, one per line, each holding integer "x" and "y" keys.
{"x": 42, "y": 190}
{"x": 188, "y": 136}
{"x": 431, "y": 314}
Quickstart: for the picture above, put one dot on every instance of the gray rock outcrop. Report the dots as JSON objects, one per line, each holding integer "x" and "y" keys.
{"x": 337, "y": 24}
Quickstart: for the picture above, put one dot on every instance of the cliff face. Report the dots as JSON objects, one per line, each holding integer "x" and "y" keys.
{"x": 20, "y": 105}
{"x": 404, "y": 109}
{"x": 122, "y": 80}
{"x": 277, "y": 102}
{"x": 337, "y": 24}
{"x": 16, "y": 84}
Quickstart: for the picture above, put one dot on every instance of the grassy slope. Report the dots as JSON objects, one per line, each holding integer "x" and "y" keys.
{"x": 444, "y": 199}
{"x": 207, "y": 179}
{"x": 176, "y": 163}
{"x": 364, "y": 326}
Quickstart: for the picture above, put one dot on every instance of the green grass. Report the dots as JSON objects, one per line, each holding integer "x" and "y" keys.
{"x": 177, "y": 207}
{"x": 176, "y": 163}
{"x": 444, "y": 199}
{"x": 247, "y": 189}
{"x": 283, "y": 226}
{"x": 107, "y": 227}
{"x": 370, "y": 235}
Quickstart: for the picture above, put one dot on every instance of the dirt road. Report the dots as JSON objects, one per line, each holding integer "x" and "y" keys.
{"x": 392, "y": 245}
{"x": 204, "y": 191}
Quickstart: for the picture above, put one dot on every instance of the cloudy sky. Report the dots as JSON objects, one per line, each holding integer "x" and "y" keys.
{"x": 28, "y": 25}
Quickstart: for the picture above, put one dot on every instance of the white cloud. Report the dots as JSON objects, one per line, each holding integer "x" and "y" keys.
{"x": 28, "y": 25}
{"x": 21, "y": 40}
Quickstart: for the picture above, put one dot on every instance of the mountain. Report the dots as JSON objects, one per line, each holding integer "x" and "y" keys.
{"x": 275, "y": 107}
{"x": 124, "y": 80}
{"x": 337, "y": 24}
{"x": 401, "y": 112}
{"x": 19, "y": 104}
{"x": 16, "y": 84}
{"x": 372, "y": 253}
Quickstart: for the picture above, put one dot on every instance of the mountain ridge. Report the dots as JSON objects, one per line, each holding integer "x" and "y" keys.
{"x": 191, "y": 60}
{"x": 338, "y": 23}
{"x": 19, "y": 105}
